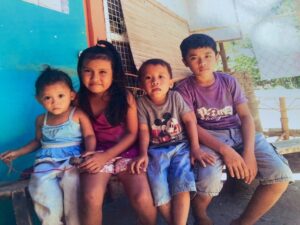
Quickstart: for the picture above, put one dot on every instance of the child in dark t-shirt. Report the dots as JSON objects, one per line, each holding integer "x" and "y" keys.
{"x": 164, "y": 121}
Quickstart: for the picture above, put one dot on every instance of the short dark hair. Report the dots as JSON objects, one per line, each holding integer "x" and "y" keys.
{"x": 50, "y": 76}
{"x": 148, "y": 62}
{"x": 197, "y": 41}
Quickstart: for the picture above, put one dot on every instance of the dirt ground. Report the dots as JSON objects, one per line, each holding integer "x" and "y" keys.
{"x": 226, "y": 206}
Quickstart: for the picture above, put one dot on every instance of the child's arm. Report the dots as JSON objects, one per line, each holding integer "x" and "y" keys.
{"x": 141, "y": 162}
{"x": 95, "y": 162}
{"x": 189, "y": 120}
{"x": 248, "y": 132}
{"x": 10, "y": 155}
{"x": 87, "y": 131}
{"x": 233, "y": 161}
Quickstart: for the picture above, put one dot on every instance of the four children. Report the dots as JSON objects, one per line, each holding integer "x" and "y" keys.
{"x": 169, "y": 136}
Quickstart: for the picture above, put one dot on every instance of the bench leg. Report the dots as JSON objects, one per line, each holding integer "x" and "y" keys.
{"x": 21, "y": 208}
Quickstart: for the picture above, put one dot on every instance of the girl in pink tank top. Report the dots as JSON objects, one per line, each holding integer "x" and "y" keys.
{"x": 112, "y": 110}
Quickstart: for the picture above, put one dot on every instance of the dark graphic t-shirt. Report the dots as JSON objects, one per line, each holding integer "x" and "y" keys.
{"x": 164, "y": 121}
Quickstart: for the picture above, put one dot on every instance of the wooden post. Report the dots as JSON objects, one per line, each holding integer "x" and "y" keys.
{"x": 223, "y": 57}
{"x": 284, "y": 119}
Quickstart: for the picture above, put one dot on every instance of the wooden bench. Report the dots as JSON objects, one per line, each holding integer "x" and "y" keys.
{"x": 22, "y": 206}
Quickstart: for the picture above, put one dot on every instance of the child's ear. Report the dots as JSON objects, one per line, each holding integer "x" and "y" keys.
{"x": 73, "y": 95}
{"x": 171, "y": 83}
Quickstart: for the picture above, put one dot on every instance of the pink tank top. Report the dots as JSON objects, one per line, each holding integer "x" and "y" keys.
{"x": 108, "y": 135}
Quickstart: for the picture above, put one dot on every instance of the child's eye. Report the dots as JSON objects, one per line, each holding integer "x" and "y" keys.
{"x": 61, "y": 95}
{"x": 147, "y": 77}
{"x": 46, "y": 98}
{"x": 86, "y": 71}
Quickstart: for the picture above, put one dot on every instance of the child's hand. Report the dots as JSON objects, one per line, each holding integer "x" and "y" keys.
{"x": 93, "y": 161}
{"x": 139, "y": 164}
{"x": 235, "y": 164}
{"x": 203, "y": 157}
{"x": 250, "y": 162}
{"x": 9, "y": 156}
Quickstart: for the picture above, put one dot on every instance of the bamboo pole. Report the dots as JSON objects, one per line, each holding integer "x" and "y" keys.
{"x": 223, "y": 57}
{"x": 284, "y": 119}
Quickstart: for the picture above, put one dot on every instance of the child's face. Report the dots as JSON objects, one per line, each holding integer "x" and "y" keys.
{"x": 56, "y": 98}
{"x": 156, "y": 82}
{"x": 97, "y": 75}
{"x": 201, "y": 61}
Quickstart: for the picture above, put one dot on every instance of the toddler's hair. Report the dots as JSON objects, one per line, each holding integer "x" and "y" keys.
{"x": 118, "y": 105}
{"x": 50, "y": 76}
{"x": 195, "y": 41}
{"x": 142, "y": 70}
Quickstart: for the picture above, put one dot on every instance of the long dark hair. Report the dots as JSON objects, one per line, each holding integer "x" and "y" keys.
{"x": 118, "y": 105}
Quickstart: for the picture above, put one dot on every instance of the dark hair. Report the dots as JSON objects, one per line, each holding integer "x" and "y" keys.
{"x": 141, "y": 71}
{"x": 50, "y": 76}
{"x": 197, "y": 41}
{"x": 118, "y": 105}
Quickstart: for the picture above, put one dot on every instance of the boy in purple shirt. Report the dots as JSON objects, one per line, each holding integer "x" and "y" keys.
{"x": 226, "y": 130}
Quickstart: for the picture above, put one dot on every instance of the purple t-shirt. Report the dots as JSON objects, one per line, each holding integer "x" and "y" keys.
{"x": 215, "y": 106}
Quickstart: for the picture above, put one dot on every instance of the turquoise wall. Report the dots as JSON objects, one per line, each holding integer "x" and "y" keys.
{"x": 31, "y": 36}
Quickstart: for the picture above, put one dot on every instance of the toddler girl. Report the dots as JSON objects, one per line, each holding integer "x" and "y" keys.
{"x": 59, "y": 134}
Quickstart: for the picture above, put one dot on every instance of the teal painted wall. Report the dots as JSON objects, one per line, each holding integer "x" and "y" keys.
{"x": 31, "y": 36}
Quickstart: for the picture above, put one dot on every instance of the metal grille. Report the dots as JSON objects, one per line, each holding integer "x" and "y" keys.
{"x": 116, "y": 19}
{"x": 126, "y": 56}
{"x": 120, "y": 41}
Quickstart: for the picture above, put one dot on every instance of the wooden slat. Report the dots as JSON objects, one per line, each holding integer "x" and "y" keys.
{"x": 21, "y": 208}
{"x": 288, "y": 146}
{"x": 7, "y": 189}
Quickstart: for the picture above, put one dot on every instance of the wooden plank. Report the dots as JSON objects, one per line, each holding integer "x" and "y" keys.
{"x": 155, "y": 32}
{"x": 21, "y": 208}
{"x": 7, "y": 189}
{"x": 288, "y": 146}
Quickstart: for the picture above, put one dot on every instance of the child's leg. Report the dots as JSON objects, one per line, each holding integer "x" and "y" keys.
{"x": 158, "y": 169}
{"x": 92, "y": 191}
{"x": 181, "y": 182}
{"x": 180, "y": 208}
{"x": 200, "y": 204}
{"x": 264, "y": 197}
{"x": 46, "y": 194}
{"x": 70, "y": 186}
{"x": 274, "y": 175}
{"x": 166, "y": 212}
{"x": 137, "y": 188}
{"x": 208, "y": 182}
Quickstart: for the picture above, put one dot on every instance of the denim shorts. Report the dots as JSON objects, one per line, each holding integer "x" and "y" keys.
{"x": 169, "y": 172}
{"x": 272, "y": 166}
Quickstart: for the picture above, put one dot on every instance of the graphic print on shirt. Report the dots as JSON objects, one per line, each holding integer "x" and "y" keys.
{"x": 165, "y": 129}
{"x": 214, "y": 113}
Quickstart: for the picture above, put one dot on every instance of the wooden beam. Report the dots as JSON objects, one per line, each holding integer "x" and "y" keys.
{"x": 95, "y": 21}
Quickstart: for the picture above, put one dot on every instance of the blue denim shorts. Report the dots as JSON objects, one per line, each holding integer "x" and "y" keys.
{"x": 169, "y": 172}
{"x": 272, "y": 166}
